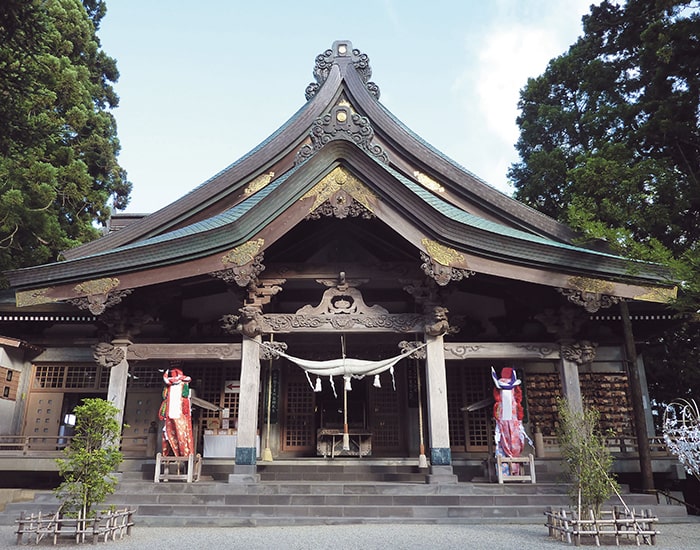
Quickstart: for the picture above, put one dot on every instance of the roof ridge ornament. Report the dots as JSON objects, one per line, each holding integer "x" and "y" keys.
{"x": 341, "y": 52}
{"x": 342, "y": 122}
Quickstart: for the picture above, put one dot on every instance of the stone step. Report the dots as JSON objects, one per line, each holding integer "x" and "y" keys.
{"x": 279, "y": 503}
{"x": 320, "y": 491}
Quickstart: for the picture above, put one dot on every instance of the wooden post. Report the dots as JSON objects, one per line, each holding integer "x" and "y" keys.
{"x": 637, "y": 403}
{"x": 248, "y": 408}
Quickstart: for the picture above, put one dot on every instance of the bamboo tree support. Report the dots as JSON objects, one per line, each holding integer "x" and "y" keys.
{"x": 267, "y": 452}
{"x": 422, "y": 460}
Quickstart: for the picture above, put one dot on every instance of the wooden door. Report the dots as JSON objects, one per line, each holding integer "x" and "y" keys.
{"x": 299, "y": 421}
{"x": 43, "y": 419}
{"x": 140, "y": 410}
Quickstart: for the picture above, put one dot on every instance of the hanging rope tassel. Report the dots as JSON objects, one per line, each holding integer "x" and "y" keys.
{"x": 377, "y": 383}
{"x": 317, "y": 388}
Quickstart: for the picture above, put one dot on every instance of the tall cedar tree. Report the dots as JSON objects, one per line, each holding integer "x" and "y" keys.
{"x": 59, "y": 175}
{"x": 610, "y": 144}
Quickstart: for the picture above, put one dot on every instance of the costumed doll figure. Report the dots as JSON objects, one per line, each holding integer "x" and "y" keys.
{"x": 508, "y": 412}
{"x": 176, "y": 413}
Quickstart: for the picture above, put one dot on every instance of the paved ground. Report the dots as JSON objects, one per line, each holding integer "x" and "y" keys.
{"x": 676, "y": 536}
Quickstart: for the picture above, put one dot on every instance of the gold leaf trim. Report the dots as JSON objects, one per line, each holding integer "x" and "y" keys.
{"x": 428, "y": 182}
{"x": 96, "y": 286}
{"x": 243, "y": 254}
{"x": 597, "y": 286}
{"x": 340, "y": 179}
{"x": 660, "y": 295}
{"x": 34, "y": 297}
{"x": 259, "y": 183}
{"x": 442, "y": 254}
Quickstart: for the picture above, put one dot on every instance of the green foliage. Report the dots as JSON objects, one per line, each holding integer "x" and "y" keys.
{"x": 587, "y": 459}
{"x": 612, "y": 128}
{"x": 59, "y": 175}
{"x": 610, "y": 145}
{"x": 90, "y": 460}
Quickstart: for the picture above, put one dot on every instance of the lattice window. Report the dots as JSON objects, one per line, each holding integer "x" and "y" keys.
{"x": 49, "y": 376}
{"x": 208, "y": 380}
{"x": 478, "y": 386}
{"x": 454, "y": 404}
{"x": 299, "y": 407}
{"x": 467, "y": 385}
{"x": 384, "y": 403}
{"x": 81, "y": 376}
{"x": 145, "y": 375}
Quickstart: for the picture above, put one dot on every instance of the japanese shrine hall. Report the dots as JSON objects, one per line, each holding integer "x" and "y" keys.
{"x": 342, "y": 236}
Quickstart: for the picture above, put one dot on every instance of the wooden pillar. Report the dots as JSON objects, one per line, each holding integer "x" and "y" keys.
{"x": 438, "y": 422}
{"x": 643, "y": 447}
{"x": 118, "y": 376}
{"x": 246, "y": 448}
{"x": 570, "y": 385}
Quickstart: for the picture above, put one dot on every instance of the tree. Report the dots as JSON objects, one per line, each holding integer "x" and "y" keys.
{"x": 90, "y": 459}
{"x": 587, "y": 459}
{"x": 59, "y": 175}
{"x": 610, "y": 144}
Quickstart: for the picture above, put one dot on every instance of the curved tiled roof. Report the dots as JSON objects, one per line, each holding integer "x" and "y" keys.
{"x": 515, "y": 234}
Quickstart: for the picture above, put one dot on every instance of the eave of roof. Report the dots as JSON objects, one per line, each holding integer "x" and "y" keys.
{"x": 152, "y": 242}
{"x": 444, "y": 222}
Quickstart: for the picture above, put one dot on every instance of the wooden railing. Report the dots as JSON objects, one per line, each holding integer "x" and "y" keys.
{"x": 38, "y": 446}
{"x": 618, "y": 446}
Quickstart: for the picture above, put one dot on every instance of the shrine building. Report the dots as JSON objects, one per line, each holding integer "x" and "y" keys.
{"x": 344, "y": 242}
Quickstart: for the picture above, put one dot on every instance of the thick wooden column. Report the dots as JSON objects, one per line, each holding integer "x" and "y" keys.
{"x": 118, "y": 376}
{"x": 636, "y": 394}
{"x": 246, "y": 449}
{"x": 570, "y": 384}
{"x": 438, "y": 422}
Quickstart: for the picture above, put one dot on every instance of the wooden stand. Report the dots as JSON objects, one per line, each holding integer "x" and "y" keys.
{"x": 178, "y": 468}
{"x": 526, "y": 462}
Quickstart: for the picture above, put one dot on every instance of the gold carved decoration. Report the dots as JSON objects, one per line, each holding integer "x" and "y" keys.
{"x": 241, "y": 255}
{"x": 442, "y": 254}
{"x": 97, "y": 286}
{"x": 33, "y": 297}
{"x": 428, "y": 182}
{"x": 585, "y": 284}
{"x": 258, "y": 183}
{"x": 661, "y": 295}
{"x": 339, "y": 179}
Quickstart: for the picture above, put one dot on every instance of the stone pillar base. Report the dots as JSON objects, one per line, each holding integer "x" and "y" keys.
{"x": 441, "y": 474}
{"x": 244, "y": 473}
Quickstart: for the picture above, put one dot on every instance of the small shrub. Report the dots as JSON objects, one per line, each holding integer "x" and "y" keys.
{"x": 90, "y": 459}
{"x": 587, "y": 458}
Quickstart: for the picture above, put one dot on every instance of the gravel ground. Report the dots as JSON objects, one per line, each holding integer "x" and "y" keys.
{"x": 676, "y": 536}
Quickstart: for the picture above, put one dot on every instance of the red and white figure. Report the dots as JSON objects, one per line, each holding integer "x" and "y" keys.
{"x": 176, "y": 414}
{"x": 508, "y": 412}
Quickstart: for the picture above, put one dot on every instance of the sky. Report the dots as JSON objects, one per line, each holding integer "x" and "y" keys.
{"x": 203, "y": 83}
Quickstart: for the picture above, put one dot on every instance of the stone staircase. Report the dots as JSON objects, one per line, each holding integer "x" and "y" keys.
{"x": 340, "y": 492}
